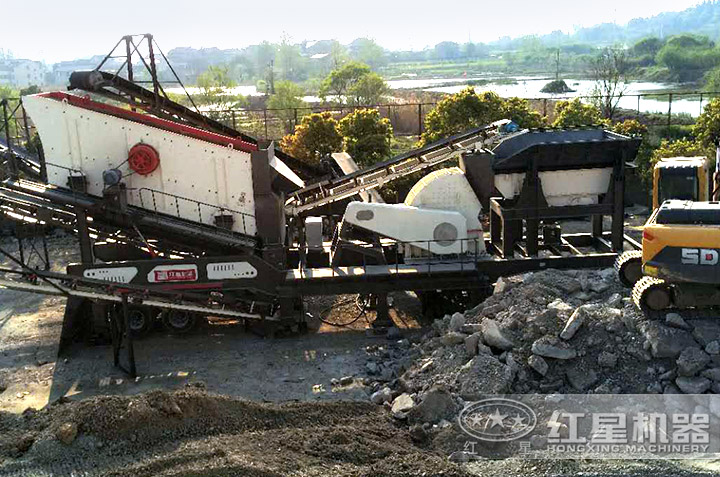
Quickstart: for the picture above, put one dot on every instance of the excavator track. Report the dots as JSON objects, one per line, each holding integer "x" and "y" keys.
{"x": 643, "y": 300}
{"x": 649, "y": 294}
{"x": 628, "y": 266}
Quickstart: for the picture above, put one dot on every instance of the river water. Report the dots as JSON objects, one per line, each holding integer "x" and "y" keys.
{"x": 654, "y": 101}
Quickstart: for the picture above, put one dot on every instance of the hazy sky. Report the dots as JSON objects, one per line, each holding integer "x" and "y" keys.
{"x": 54, "y": 30}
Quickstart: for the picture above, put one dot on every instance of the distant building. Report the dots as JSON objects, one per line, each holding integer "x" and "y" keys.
{"x": 22, "y": 73}
{"x": 61, "y": 71}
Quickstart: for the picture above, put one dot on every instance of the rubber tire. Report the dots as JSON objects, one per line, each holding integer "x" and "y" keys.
{"x": 142, "y": 318}
{"x": 179, "y": 322}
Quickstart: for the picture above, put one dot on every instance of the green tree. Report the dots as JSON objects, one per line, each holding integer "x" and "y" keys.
{"x": 647, "y": 46}
{"x": 461, "y": 111}
{"x": 366, "y": 136}
{"x": 712, "y": 80}
{"x": 369, "y": 89}
{"x": 367, "y": 51}
{"x": 340, "y": 80}
{"x": 315, "y": 138}
{"x": 608, "y": 70}
{"x": 286, "y": 100}
{"x": 214, "y": 85}
{"x": 338, "y": 54}
{"x": 32, "y": 89}
{"x": 289, "y": 61}
{"x": 707, "y": 127}
{"x": 575, "y": 113}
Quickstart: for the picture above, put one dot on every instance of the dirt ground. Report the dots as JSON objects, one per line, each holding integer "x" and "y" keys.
{"x": 221, "y": 401}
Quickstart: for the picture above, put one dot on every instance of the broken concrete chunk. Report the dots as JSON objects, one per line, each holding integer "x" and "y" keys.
{"x": 705, "y": 331}
{"x": 666, "y": 342}
{"x": 471, "y": 343}
{"x": 574, "y": 323}
{"x": 549, "y": 348}
{"x": 453, "y": 338}
{"x": 482, "y": 375}
{"x": 456, "y": 322}
{"x": 382, "y": 396}
{"x": 538, "y": 364}
{"x": 493, "y": 335}
{"x": 692, "y": 361}
{"x": 607, "y": 360}
{"x": 675, "y": 320}
{"x": 438, "y": 404}
{"x": 693, "y": 385}
{"x": 713, "y": 347}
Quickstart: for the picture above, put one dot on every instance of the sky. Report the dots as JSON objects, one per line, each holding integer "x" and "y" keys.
{"x": 53, "y": 30}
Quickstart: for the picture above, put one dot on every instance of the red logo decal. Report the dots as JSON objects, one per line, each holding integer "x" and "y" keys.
{"x": 186, "y": 275}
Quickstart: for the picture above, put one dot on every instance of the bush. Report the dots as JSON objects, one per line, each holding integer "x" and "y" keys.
{"x": 518, "y": 110}
{"x": 576, "y": 113}
{"x": 630, "y": 127}
{"x": 315, "y": 138}
{"x": 679, "y": 148}
{"x": 366, "y": 136}
{"x": 707, "y": 127}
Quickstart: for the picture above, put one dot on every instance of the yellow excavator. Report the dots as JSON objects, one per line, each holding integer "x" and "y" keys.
{"x": 680, "y": 258}
{"x": 679, "y": 178}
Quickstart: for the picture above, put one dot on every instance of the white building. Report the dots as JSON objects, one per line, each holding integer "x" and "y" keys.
{"x": 22, "y": 73}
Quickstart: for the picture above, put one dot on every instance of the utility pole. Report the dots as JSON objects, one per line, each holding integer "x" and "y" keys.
{"x": 557, "y": 64}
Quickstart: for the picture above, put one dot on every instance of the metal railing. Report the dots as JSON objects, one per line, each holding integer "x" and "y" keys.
{"x": 211, "y": 210}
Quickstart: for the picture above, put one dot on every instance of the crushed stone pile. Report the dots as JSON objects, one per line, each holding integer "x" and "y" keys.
{"x": 545, "y": 332}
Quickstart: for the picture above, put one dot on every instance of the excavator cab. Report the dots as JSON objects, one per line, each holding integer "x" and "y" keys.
{"x": 681, "y": 178}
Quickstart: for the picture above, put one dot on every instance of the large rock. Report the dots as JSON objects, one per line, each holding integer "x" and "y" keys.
{"x": 705, "y": 331}
{"x": 437, "y": 405}
{"x": 67, "y": 432}
{"x": 382, "y": 396}
{"x": 667, "y": 342}
{"x": 692, "y": 361}
{"x": 712, "y": 373}
{"x": 402, "y": 403}
{"x": 677, "y": 321}
{"x": 453, "y": 338}
{"x": 693, "y": 385}
{"x": 574, "y": 323}
{"x": 482, "y": 375}
{"x": 471, "y": 343}
{"x": 456, "y": 322}
{"x": 493, "y": 335}
{"x": 548, "y": 347}
{"x": 607, "y": 359}
{"x": 538, "y": 364}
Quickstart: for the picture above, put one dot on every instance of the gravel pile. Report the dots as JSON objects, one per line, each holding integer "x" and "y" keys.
{"x": 545, "y": 332}
{"x": 191, "y": 432}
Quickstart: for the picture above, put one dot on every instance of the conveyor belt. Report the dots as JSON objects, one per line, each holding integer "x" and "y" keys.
{"x": 33, "y": 197}
{"x": 326, "y": 192}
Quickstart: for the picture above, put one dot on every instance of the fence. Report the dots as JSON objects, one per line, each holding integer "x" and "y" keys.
{"x": 407, "y": 119}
